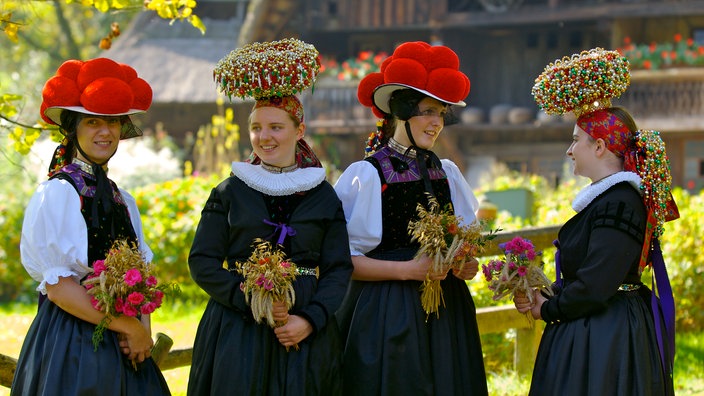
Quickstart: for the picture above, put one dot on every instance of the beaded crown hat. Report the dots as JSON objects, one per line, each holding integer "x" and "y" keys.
{"x": 585, "y": 84}
{"x": 271, "y": 69}
{"x": 98, "y": 86}
{"x": 272, "y": 73}
{"x": 582, "y": 83}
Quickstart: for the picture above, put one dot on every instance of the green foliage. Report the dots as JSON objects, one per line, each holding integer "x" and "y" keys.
{"x": 689, "y": 371}
{"x": 170, "y": 215}
{"x": 14, "y": 282}
{"x": 683, "y": 251}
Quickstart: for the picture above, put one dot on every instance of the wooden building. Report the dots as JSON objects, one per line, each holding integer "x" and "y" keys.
{"x": 503, "y": 45}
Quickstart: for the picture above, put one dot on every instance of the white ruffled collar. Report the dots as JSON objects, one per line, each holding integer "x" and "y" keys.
{"x": 278, "y": 184}
{"x": 588, "y": 193}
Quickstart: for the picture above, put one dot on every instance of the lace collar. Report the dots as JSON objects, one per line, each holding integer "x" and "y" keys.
{"x": 278, "y": 184}
{"x": 590, "y": 192}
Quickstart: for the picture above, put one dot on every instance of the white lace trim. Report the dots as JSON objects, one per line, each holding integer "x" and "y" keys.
{"x": 278, "y": 184}
{"x": 588, "y": 193}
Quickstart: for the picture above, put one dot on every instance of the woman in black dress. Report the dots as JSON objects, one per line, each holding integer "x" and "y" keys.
{"x": 606, "y": 333}
{"x": 281, "y": 195}
{"x": 71, "y": 221}
{"x": 393, "y": 347}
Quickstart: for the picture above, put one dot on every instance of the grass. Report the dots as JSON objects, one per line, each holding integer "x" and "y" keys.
{"x": 180, "y": 322}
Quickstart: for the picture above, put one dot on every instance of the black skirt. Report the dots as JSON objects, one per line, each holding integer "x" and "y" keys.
{"x": 394, "y": 348}
{"x": 614, "y": 352}
{"x": 235, "y": 355}
{"x": 58, "y": 358}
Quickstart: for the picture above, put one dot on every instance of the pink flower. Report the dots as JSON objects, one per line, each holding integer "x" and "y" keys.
{"x": 151, "y": 281}
{"x": 261, "y": 280}
{"x": 130, "y": 310}
{"x": 132, "y": 277}
{"x": 98, "y": 266}
{"x": 135, "y": 298}
{"x": 268, "y": 285}
{"x": 285, "y": 264}
{"x": 119, "y": 305}
{"x": 148, "y": 308}
{"x": 95, "y": 303}
{"x": 158, "y": 296}
{"x": 522, "y": 270}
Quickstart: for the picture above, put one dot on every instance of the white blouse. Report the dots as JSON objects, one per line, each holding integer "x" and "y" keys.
{"x": 55, "y": 235}
{"x": 359, "y": 189}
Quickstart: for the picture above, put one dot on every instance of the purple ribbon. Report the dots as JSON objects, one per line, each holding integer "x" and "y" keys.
{"x": 282, "y": 229}
{"x": 665, "y": 309}
{"x": 558, "y": 266}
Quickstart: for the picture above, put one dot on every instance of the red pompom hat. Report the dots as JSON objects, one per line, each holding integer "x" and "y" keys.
{"x": 430, "y": 70}
{"x": 98, "y": 86}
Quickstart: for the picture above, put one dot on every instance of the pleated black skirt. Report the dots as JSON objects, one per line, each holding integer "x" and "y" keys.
{"x": 58, "y": 358}
{"x": 234, "y": 355}
{"x": 614, "y": 353}
{"x": 393, "y": 348}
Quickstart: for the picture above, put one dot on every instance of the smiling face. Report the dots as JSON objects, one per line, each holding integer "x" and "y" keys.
{"x": 426, "y": 126}
{"x": 274, "y": 135}
{"x": 98, "y": 137}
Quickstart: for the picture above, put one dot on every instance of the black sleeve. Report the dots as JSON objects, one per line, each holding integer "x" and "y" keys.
{"x": 615, "y": 242}
{"x": 335, "y": 270}
{"x": 208, "y": 252}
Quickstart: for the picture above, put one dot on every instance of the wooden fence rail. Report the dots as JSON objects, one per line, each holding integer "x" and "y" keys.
{"x": 497, "y": 319}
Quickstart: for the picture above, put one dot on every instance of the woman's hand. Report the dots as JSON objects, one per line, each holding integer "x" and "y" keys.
{"x": 136, "y": 343}
{"x": 468, "y": 270}
{"x": 294, "y": 331}
{"x": 523, "y": 304}
{"x": 417, "y": 269}
{"x": 280, "y": 312}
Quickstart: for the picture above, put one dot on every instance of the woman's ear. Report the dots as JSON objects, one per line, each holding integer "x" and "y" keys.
{"x": 600, "y": 147}
{"x": 300, "y": 131}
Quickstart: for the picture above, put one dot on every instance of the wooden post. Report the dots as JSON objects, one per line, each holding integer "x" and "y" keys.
{"x": 7, "y": 370}
{"x": 527, "y": 341}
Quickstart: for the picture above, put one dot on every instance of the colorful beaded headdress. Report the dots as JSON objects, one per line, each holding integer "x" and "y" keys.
{"x": 262, "y": 70}
{"x": 582, "y": 83}
{"x": 272, "y": 73}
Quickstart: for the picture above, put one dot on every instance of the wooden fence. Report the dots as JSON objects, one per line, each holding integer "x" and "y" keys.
{"x": 497, "y": 319}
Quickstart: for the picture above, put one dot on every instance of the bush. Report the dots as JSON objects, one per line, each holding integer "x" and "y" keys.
{"x": 170, "y": 215}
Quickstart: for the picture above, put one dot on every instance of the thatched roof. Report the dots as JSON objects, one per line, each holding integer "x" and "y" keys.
{"x": 176, "y": 59}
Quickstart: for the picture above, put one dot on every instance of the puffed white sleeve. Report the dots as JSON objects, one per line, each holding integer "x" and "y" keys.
{"x": 54, "y": 240}
{"x": 463, "y": 199}
{"x": 136, "y": 220}
{"x": 359, "y": 189}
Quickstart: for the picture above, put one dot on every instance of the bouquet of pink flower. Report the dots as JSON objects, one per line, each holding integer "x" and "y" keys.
{"x": 268, "y": 277}
{"x": 448, "y": 243}
{"x": 123, "y": 284}
{"x": 519, "y": 271}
